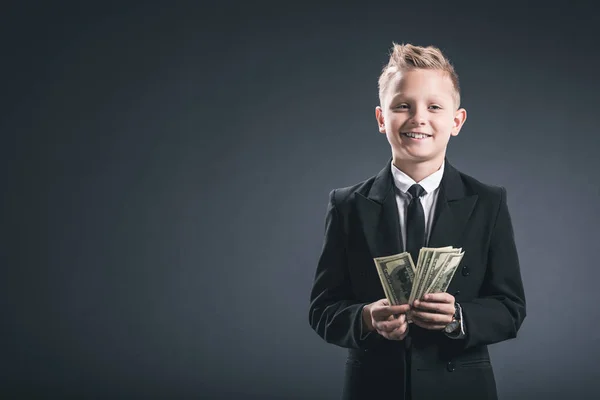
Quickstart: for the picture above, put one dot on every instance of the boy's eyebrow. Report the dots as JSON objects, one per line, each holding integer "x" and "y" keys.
{"x": 434, "y": 98}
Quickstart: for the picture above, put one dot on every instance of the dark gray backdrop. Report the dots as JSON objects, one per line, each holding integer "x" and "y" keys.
{"x": 165, "y": 172}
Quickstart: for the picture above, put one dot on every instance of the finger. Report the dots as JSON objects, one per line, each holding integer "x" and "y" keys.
{"x": 397, "y": 334}
{"x": 428, "y": 317}
{"x": 379, "y": 305}
{"x": 401, "y": 318}
{"x": 383, "y": 302}
{"x": 440, "y": 308}
{"x": 432, "y": 327}
{"x": 383, "y": 312}
{"x": 431, "y": 318}
{"x": 400, "y": 333}
{"x": 384, "y": 327}
{"x": 378, "y": 317}
{"x": 380, "y": 314}
{"x": 389, "y": 326}
{"x": 442, "y": 297}
{"x": 401, "y": 309}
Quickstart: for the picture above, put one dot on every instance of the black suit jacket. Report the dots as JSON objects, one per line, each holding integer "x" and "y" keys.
{"x": 362, "y": 223}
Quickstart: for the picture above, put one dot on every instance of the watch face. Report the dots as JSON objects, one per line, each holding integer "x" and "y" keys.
{"x": 451, "y": 327}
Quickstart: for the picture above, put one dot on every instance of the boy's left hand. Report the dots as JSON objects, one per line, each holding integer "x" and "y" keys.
{"x": 434, "y": 311}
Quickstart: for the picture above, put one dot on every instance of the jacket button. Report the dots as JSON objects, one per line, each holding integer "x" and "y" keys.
{"x": 450, "y": 366}
{"x": 465, "y": 270}
{"x": 456, "y": 293}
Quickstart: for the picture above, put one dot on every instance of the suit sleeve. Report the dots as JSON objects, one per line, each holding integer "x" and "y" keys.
{"x": 334, "y": 313}
{"x": 499, "y": 311}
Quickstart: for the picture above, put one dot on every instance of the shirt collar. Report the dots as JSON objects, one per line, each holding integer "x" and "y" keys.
{"x": 404, "y": 182}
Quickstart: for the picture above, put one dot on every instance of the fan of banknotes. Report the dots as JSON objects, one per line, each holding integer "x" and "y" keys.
{"x": 403, "y": 282}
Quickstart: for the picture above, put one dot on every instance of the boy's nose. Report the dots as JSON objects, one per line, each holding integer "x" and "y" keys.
{"x": 418, "y": 118}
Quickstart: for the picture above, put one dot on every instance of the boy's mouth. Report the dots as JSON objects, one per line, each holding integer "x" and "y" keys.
{"x": 416, "y": 135}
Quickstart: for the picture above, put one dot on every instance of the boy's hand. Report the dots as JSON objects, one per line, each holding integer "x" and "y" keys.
{"x": 388, "y": 321}
{"x": 434, "y": 311}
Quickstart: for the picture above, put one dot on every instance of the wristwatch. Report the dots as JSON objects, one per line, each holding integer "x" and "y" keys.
{"x": 455, "y": 324}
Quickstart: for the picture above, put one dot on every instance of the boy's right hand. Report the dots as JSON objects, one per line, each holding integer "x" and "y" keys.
{"x": 389, "y": 321}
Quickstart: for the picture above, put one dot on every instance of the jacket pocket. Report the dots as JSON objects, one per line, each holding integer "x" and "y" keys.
{"x": 479, "y": 363}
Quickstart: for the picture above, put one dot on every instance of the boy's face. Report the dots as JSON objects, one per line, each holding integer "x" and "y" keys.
{"x": 418, "y": 102}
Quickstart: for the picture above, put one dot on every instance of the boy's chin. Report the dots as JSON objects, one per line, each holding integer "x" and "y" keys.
{"x": 418, "y": 154}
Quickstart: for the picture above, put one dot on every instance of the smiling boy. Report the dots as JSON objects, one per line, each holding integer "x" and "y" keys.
{"x": 418, "y": 200}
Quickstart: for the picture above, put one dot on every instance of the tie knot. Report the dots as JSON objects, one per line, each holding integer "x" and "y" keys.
{"x": 416, "y": 191}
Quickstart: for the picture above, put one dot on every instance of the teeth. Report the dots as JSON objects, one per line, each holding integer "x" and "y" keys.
{"x": 416, "y": 135}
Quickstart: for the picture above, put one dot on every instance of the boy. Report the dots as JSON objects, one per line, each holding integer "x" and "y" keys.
{"x": 418, "y": 200}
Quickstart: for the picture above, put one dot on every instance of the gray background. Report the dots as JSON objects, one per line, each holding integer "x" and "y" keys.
{"x": 165, "y": 172}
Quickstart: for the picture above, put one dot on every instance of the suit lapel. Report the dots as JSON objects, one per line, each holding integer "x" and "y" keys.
{"x": 453, "y": 209}
{"x": 378, "y": 212}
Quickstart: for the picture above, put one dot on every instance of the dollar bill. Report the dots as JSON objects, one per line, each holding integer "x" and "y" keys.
{"x": 442, "y": 280}
{"x": 396, "y": 274}
{"x": 403, "y": 281}
{"x": 434, "y": 268}
{"x": 385, "y": 284}
{"x": 424, "y": 254}
{"x": 424, "y": 269}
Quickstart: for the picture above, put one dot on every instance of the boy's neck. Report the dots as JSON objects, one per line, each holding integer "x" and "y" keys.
{"x": 418, "y": 171}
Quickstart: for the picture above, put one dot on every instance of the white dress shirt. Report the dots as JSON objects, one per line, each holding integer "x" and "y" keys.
{"x": 431, "y": 184}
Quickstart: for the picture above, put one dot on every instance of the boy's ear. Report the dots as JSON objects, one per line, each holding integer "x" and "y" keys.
{"x": 459, "y": 119}
{"x": 380, "y": 120}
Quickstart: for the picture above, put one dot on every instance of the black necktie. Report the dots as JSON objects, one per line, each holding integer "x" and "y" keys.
{"x": 415, "y": 223}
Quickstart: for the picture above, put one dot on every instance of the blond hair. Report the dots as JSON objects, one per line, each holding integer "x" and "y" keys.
{"x": 405, "y": 57}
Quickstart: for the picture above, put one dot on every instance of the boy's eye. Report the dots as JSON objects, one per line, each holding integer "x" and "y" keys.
{"x": 405, "y": 106}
